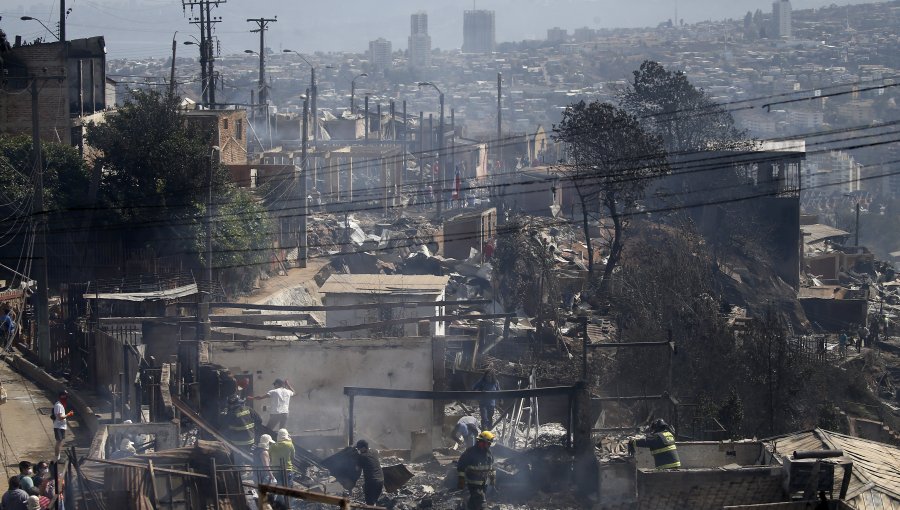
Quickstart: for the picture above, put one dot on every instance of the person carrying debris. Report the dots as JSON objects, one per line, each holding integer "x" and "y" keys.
{"x": 281, "y": 401}
{"x": 475, "y": 469}
{"x": 660, "y": 439}
{"x": 240, "y": 429}
{"x": 373, "y": 477}
{"x": 465, "y": 432}
{"x": 486, "y": 406}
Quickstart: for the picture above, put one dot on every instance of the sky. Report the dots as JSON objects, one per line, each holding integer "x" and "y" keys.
{"x": 144, "y": 28}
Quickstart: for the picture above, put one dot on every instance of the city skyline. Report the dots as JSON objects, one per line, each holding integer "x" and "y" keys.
{"x": 144, "y": 28}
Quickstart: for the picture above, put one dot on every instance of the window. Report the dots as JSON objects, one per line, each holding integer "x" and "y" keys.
{"x": 239, "y": 127}
{"x": 225, "y": 124}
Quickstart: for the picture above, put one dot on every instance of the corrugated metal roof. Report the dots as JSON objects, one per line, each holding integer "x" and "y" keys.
{"x": 384, "y": 284}
{"x": 818, "y": 232}
{"x": 156, "y": 295}
{"x": 875, "y": 484}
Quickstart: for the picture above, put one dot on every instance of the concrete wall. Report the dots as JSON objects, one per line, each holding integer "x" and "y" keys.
{"x": 701, "y": 489}
{"x": 320, "y": 370}
{"x": 165, "y": 434}
{"x": 335, "y": 318}
{"x": 707, "y": 454}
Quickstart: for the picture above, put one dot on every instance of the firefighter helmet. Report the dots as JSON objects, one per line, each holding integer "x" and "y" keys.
{"x": 659, "y": 425}
{"x": 486, "y": 436}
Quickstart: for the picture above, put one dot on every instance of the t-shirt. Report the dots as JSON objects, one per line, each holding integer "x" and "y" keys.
{"x": 59, "y": 412}
{"x": 282, "y": 399}
{"x": 282, "y": 451}
{"x": 14, "y": 500}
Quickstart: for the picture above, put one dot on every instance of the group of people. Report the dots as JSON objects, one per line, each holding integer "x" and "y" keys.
{"x": 863, "y": 336}
{"x": 34, "y": 488}
{"x": 475, "y": 467}
{"x": 275, "y": 456}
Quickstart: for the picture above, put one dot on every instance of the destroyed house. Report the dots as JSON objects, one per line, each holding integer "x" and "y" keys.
{"x": 755, "y": 189}
{"x": 70, "y": 78}
{"x": 469, "y": 231}
{"x": 419, "y": 295}
{"x": 229, "y": 132}
{"x": 874, "y": 480}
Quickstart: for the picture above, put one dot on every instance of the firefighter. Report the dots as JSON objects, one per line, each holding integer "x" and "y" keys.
{"x": 240, "y": 429}
{"x": 475, "y": 469}
{"x": 660, "y": 439}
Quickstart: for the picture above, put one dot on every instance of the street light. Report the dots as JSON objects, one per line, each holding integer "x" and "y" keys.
{"x": 353, "y": 88}
{"x": 314, "y": 92}
{"x": 441, "y": 158}
{"x": 29, "y": 18}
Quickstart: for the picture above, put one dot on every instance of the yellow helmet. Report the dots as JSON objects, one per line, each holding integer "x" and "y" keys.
{"x": 486, "y": 436}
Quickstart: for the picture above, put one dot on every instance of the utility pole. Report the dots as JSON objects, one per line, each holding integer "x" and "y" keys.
{"x": 39, "y": 225}
{"x": 499, "y": 118}
{"x": 205, "y": 21}
{"x": 857, "y": 223}
{"x": 314, "y": 105}
{"x": 263, "y": 24}
{"x": 367, "y": 119}
{"x": 211, "y": 75}
{"x": 442, "y": 160}
{"x": 172, "y": 70}
{"x": 304, "y": 208}
{"x": 62, "y": 21}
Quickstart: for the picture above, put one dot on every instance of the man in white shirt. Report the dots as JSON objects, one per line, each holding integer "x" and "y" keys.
{"x": 281, "y": 400}
{"x": 59, "y": 420}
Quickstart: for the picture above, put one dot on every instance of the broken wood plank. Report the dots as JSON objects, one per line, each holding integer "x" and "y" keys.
{"x": 200, "y": 422}
{"x": 147, "y": 466}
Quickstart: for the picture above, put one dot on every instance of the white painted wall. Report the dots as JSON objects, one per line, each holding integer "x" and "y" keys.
{"x": 319, "y": 371}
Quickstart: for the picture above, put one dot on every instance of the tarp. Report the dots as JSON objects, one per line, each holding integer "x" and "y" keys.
{"x": 156, "y": 295}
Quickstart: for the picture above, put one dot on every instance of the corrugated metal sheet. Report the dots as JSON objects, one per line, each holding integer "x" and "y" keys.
{"x": 873, "y": 462}
{"x": 126, "y": 488}
{"x": 384, "y": 284}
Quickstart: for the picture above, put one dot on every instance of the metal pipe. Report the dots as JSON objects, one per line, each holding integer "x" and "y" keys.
{"x": 817, "y": 454}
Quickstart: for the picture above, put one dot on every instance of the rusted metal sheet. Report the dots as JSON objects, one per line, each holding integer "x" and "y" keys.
{"x": 126, "y": 488}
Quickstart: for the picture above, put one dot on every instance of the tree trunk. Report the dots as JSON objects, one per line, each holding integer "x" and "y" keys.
{"x": 587, "y": 237}
{"x": 615, "y": 249}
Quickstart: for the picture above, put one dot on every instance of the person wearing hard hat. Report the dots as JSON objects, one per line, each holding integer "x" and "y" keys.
{"x": 475, "y": 470}
{"x": 660, "y": 439}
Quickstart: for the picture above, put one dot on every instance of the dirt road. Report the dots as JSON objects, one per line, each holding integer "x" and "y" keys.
{"x": 26, "y": 433}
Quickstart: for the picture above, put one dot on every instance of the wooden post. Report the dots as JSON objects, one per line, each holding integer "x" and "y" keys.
{"x": 350, "y": 423}
{"x": 153, "y": 496}
{"x": 585, "y": 342}
{"x": 215, "y": 482}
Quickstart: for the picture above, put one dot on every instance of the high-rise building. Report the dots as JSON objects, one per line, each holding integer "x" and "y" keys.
{"x": 781, "y": 18}
{"x": 380, "y": 53}
{"x": 557, "y": 35}
{"x": 479, "y": 35}
{"x": 419, "y": 41}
